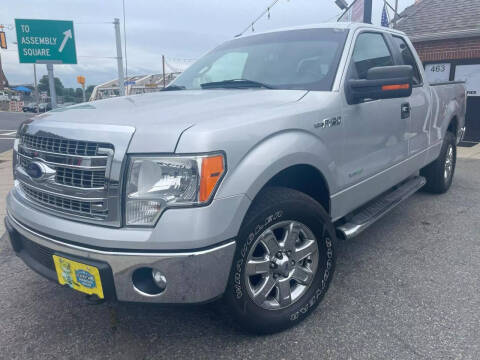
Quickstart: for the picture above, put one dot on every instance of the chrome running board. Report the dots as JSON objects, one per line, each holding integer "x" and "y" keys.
{"x": 374, "y": 210}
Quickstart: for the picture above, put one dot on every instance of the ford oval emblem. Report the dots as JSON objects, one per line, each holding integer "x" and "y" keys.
{"x": 34, "y": 170}
{"x": 39, "y": 171}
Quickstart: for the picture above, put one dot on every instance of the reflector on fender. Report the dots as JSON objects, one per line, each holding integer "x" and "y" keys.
{"x": 212, "y": 171}
{"x": 395, "y": 87}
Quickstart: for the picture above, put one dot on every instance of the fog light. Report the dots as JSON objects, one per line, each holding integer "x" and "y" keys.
{"x": 159, "y": 279}
{"x": 148, "y": 281}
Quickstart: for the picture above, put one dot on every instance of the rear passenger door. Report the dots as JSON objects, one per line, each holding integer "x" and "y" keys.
{"x": 375, "y": 133}
{"x": 418, "y": 126}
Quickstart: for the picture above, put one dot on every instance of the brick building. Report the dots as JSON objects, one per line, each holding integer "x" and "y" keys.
{"x": 446, "y": 34}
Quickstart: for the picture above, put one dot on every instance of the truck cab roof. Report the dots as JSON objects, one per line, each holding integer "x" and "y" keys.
{"x": 330, "y": 25}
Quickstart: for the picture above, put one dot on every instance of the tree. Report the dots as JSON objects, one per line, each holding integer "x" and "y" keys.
{"x": 68, "y": 95}
{"x": 79, "y": 93}
{"x": 43, "y": 85}
{"x": 89, "y": 91}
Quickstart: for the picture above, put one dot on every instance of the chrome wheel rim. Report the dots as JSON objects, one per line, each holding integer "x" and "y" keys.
{"x": 448, "y": 163}
{"x": 281, "y": 265}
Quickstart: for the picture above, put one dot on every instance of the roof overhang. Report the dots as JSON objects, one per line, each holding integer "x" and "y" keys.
{"x": 443, "y": 35}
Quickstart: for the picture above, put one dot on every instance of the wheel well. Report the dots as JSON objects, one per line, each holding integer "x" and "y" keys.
{"x": 304, "y": 178}
{"x": 453, "y": 126}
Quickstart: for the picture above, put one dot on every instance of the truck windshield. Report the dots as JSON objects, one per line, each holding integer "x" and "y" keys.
{"x": 297, "y": 59}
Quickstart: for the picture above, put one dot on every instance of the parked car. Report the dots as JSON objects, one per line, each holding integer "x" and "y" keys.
{"x": 30, "y": 107}
{"x": 44, "y": 107}
{"x": 33, "y": 107}
{"x": 238, "y": 180}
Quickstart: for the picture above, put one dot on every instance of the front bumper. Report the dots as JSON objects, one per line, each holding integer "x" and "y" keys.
{"x": 192, "y": 277}
{"x": 461, "y": 134}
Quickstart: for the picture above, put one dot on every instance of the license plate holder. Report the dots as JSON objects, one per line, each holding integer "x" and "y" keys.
{"x": 78, "y": 276}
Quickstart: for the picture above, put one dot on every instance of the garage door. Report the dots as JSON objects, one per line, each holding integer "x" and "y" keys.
{"x": 471, "y": 75}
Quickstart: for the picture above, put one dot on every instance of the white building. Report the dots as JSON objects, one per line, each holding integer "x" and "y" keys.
{"x": 140, "y": 84}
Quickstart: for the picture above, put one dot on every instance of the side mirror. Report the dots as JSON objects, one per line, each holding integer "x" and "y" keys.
{"x": 386, "y": 82}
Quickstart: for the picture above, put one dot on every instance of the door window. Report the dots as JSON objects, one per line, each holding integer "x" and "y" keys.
{"x": 370, "y": 51}
{"x": 408, "y": 58}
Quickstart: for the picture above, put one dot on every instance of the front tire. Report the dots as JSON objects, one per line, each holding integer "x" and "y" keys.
{"x": 439, "y": 174}
{"x": 283, "y": 263}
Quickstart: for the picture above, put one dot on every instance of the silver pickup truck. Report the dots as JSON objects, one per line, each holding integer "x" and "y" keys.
{"x": 236, "y": 182}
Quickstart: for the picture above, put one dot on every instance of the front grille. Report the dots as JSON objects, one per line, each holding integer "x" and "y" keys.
{"x": 86, "y": 179}
{"x": 80, "y": 178}
{"x": 78, "y": 207}
{"x": 64, "y": 146}
{"x": 73, "y": 180}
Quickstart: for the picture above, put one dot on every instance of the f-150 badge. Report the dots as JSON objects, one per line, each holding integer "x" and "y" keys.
{"x": 326, "y": 123}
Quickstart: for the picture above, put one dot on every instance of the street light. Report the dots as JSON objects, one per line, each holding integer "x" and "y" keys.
{"x": 342, "y": 4}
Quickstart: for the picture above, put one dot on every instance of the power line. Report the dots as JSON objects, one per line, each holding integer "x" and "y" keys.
{"x": 252, "y": 24}
{"x": 94, "y": 23}
{"x": 333, "y": 17}
{"x": 97, "y": 57}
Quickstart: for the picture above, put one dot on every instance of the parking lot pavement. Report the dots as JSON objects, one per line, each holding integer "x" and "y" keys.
{"x": 407, "y": 288}
{"x": 9, "y": 123}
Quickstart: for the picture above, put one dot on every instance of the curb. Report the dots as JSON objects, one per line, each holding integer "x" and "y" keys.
{"x": 6, "y": 155}
{"x": 469, "y": 153}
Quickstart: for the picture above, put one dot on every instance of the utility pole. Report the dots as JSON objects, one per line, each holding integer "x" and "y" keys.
{"x": 51, "y": 85}
{"x": 395, "y": 15}
{"x": 35, "y": 83}
{"x": 163, "y": 66}
{"x": 121, "y": 79}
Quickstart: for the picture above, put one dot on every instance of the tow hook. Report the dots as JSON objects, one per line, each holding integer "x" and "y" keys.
{"x": 94, "y": 300}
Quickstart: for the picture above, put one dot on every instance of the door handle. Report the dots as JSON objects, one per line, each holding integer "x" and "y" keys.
{"x": 405, "y": 110}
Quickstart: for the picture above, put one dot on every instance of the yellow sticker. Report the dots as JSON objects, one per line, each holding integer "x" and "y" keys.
{"x": 78, "y": 276}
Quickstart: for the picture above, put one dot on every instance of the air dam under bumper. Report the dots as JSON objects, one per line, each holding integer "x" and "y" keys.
{"x": 192, "y": 277}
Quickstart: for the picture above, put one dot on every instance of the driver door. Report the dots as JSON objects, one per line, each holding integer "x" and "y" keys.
{"x": 375, "y": 133}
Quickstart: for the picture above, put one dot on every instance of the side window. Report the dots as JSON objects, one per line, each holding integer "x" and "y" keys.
{"x": 370, "y": 51}
{"x": 408, "y": 58}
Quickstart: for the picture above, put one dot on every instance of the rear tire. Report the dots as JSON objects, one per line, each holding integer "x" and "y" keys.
{"x": 283, "y": 263}
{"x": 439, "y": 174}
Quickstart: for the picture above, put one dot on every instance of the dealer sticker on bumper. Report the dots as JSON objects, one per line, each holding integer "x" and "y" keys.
{"x": 78, "y": 276}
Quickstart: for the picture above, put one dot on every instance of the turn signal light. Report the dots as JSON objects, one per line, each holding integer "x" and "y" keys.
{"x": 395, "y": 87}
{"x": 212, "y": 171}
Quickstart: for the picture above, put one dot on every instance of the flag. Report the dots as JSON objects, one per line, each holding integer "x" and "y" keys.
{"x": 385, "y": 21}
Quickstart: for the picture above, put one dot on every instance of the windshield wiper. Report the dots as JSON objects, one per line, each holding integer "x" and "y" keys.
{"x": 173, "y": 88}
{"x": 235, "y": 84}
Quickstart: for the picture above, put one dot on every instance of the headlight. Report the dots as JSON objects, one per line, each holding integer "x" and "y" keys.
{"x": 157, "y": 183}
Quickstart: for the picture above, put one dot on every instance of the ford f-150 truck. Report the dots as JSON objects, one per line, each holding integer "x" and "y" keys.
{"x": 236, "y": 182}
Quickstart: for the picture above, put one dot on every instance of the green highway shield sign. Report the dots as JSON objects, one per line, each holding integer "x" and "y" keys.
{"x": 45, "y": 41}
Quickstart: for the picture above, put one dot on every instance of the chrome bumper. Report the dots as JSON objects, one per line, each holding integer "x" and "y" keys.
{"x": 192, "y": 277}
{"x": 461, "y": 134}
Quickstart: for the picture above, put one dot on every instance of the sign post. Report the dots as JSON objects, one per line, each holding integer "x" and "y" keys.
{"x": 51, "y": 85}
{"x": 46, "y": 42}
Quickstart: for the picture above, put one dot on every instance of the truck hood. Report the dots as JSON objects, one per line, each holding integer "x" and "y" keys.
{"x": 160, "y": 118}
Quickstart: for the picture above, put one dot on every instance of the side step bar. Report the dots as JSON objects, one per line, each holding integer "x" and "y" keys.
{"x": 374, "y": 210}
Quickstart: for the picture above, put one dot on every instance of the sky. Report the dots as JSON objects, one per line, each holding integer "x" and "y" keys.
{"x": 179, "y": 29}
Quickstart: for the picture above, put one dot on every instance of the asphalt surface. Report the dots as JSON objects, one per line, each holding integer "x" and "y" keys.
{"x": 407, "y": 288}
{"x": 9, "y": 123}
